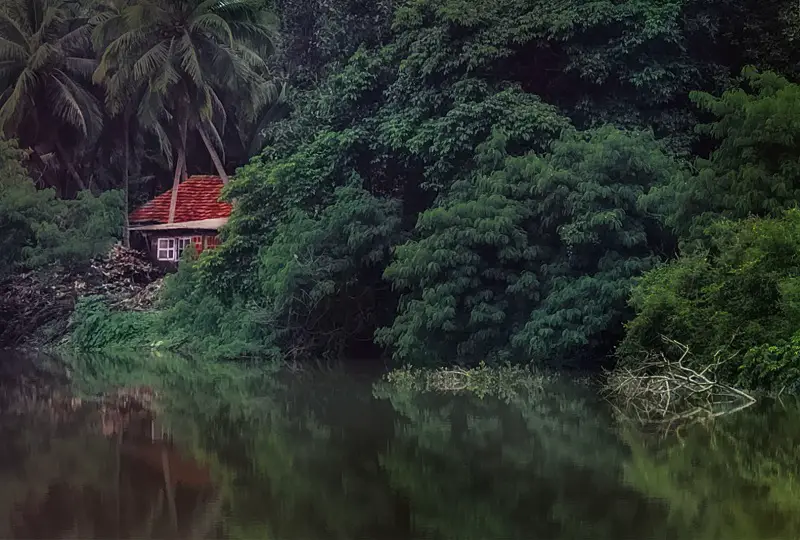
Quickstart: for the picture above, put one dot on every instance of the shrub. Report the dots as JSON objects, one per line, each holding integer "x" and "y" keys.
{"x": 37, "y": 228}
{"x": 96, "y": 327}
{"x": 772, "y": 368}
{"x": 740, "y": 294}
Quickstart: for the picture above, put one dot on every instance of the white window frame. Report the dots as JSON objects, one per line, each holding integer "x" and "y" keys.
{"x": 165, "y": 249}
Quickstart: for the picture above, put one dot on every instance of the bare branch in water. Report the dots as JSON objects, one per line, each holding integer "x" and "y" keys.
{"x": 667, "y": 392}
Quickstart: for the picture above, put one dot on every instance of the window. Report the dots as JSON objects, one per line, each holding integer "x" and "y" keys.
{"x": 183, "y": 243}
{"x": 198, "y": 244}
{"x": 212, "y": 242}
{"x": 166, "y": 249}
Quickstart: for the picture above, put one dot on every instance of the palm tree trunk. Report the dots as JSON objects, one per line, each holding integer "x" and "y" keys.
{"x": 212, "y": 152}
{"x": 176, "y": 181}
{"x": 62, "y": 157}
{"x": 180, "y": 169}
{"x": 126, "y": 234}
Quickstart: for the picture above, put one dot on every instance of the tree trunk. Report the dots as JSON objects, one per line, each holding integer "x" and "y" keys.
{"x": 180, "y": 168}
{"x": 212, "y": 152}
{"x": 62, "y": 157}
{"x": 176, "y": 180}
{"x": 126, "y": 234}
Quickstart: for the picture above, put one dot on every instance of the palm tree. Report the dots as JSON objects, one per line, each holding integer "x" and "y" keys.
{"x": 177, "y": 60}
{"x": 45, "y": 67}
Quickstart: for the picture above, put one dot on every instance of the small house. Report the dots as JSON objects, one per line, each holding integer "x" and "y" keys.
{"x": 164, "y": 232}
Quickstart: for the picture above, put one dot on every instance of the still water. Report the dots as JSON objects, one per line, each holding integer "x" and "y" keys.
{"x": 191, "y": 450}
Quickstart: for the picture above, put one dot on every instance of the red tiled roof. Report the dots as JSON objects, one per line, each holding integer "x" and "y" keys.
{"x": 198, "y": 198}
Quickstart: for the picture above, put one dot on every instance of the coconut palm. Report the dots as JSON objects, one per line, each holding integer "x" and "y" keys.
{"x": 45, "y": 70}
{"x": 177, "y": 61}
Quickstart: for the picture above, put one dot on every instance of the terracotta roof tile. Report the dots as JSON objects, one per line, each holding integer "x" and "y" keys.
{"x": 198, "y": 198}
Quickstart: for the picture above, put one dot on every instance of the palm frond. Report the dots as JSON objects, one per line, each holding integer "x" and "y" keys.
{"x": 205, "y": 6}
{"x": 251, "y": 59}
{"x": 213, "y": 24}
{"x": 145, "y": 13}
{"x": 65, "y": 106}
{"x": 258, "y": 37}
{"x": 166, "y": 78}
{"x": 12, "y": 51}
{"x": 77, "y": 40}
{"x": 12, "y": 31}
{"x": 44, "y": 55}
{"x": 84, "y": 67}
{"x": 8, "y": 67}
{"x": 11, "y": 111}
{"x": 240, "y": 9}
{"x": 90, "y": 108}
{"x": 189, "y": 61}
{"x": 217, "y": 106}
{"x": 106, "y": 27}
{"x": 152, "y": 60}
{"x": 53, "y": 17}
{"x": 126, "y": 43}
{"x": 273, "y": 113}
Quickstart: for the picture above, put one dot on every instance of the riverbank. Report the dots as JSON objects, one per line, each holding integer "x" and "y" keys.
{"x": 36, "y": 307}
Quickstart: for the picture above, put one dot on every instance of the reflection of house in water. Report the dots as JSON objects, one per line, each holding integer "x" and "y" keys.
{"x": 147, "y": 487}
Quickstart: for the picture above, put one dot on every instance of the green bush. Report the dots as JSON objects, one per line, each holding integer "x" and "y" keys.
{"x": 195, "y": 320}
{"x": 95, "y": 326}
{"x": 736, "y": 298}
{"x": 754, "y": 170}
{"x": 773, "y": 368}
{"x": 37, "y": 228}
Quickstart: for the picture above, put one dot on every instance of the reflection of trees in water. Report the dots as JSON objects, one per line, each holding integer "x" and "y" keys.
{"x": 321, "y": 455}
{"x": 738, "y": 477}
{"x": 542, "y": 465}
{"x": 328, "y": 459}
{"x": 75, "y": 469}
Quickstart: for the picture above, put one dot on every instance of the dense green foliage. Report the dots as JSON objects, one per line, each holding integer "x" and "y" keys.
{"x": 733, "y": 300}
{"x": 733, "y": 293}
{"x": 447, "y": 181}
{"x": 534, "y": 260}
{"x": 97, "y": 327}
{"x": 37, "y": 228}
{"x": 753, "y": 170}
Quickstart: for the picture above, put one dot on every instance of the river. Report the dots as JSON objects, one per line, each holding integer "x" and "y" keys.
{"x": 188, "y": 449}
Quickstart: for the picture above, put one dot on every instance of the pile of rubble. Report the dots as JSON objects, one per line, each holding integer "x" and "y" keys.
{"x": 35, "y": 307}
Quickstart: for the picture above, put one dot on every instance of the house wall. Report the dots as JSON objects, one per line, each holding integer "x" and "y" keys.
{"x": 147, "y": 241}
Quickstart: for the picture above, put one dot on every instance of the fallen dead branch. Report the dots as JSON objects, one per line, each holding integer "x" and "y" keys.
{"x": 662, "y": 390}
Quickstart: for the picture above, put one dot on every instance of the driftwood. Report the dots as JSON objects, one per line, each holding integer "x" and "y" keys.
{"x": 664, "y": 391}
{"x": 35, "y": 306}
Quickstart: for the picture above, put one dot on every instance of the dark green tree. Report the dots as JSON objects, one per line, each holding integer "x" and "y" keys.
{"x": 46, "y": 99}
{"x": 532, "y": 260}
{"x": 754, "y": 169}
{"x": 37, "y": 228}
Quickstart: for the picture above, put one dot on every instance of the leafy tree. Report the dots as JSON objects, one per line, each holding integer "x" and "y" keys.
{"x": 316, "y": 35}
{"x": 742, "y": 293}
{"x": 38, "y": 228}
{"x": 534, "y": 259}
{"x": 754, "y": 170}
{"x": 321, "y": 277}
{"x": 45, "y": 80}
